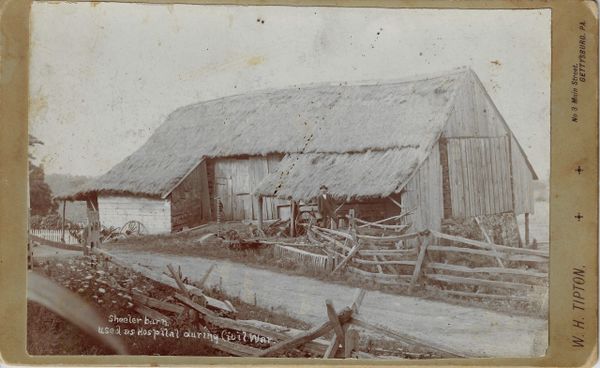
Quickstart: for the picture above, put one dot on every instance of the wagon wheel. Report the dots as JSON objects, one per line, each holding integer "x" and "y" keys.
{"x": 302, "y": 221}
{"x": 134, "y": 228}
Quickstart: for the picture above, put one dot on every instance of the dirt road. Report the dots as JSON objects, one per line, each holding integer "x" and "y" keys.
{"x": 45, "y": 251}
{"x": 476, "y": 331}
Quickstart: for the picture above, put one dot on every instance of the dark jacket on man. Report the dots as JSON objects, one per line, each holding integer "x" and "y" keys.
{"x": 326, "y": 205}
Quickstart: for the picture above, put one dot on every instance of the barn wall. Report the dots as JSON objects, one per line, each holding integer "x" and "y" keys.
{"x": 155, "y": 214}
{"x": 424, "y": 194}
{"x": 522, "y": 181}
{"x": 474, "y": 115}
{"x": 190, "y": 203}
{"x": 234, "y": 181}
{"x": 479, "y": 175}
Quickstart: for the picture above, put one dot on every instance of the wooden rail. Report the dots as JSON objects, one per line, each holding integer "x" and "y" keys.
{"x": 509, "y": 273}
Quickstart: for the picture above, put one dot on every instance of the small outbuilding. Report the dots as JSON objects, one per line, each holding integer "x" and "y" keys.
{"x": 435, "y": 144}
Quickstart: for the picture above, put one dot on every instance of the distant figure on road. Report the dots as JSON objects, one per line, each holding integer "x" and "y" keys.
{"x": 326, "y": 207}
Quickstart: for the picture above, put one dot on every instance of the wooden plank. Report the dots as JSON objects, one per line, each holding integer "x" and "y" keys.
{"x": 229, "y": 347}
{"x": 157, "y": 304}
{"x": 487, "y": 238}
{"x": 194, "y": 305}
{"x": 526, "y": 229}
{"x": 491, "y": 270}
{"x": 151, "y": 313}
{"x": 480, "y": 175}
{"x": 359, "y": 296}
{"x": 480, "y": 282}
{"x": 387, "y": 252}
{"x": 180, "y": 283}
{"x": 337, "y": 328}
{"x": 280, "y": 333}
{"x": 200, "y": 284}
{"x": 508, "y": 257}
{"x": 407, "y": 339}
{"x": 396, "y": 217}
{"x": 260, "y": 214}
{"x": 382, "y": 226}
{"x": 418, "y": 265}
{"x": 293, "y": 218}
{"x": 479, "y": 295}
{"x": 466, "y": 178}
{"x": 480, "y": 244}
{"x": 351, "y": 254}
{"x": 351, "y": 340}
{"x": 344, "y": 316}
{"x": 485, "y": 180}
{"x": 381, "y": 278}
{"x": 403, "y": 263}
{"x": 335, "y": 242}
{"x": 456, "y": 176}
{"x": 494, "y": 180}
{"x": 334, "y": 232}
{"x": 390, "y": 237}
{"x": 395, "y": 202}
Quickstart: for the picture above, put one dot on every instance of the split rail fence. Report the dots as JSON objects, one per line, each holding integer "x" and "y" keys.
{"x": 428, "y": 260}
{"x": 190, "y": 304}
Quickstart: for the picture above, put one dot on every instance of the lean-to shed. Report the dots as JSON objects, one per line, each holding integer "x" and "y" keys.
{"x": 434, "y": 143}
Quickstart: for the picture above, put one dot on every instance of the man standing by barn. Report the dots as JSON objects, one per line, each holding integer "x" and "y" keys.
{"x": 326, "y": 207}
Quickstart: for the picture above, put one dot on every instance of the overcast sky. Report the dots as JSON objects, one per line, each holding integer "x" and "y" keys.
{"x": 105, "y": 76}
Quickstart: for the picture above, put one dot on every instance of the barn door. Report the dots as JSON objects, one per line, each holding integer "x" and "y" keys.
{"x": 224, "y": 191}
{"x": 233, "y": 188}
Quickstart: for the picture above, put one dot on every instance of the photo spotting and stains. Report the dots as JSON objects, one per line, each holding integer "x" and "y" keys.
{"x": 278, "y": 181}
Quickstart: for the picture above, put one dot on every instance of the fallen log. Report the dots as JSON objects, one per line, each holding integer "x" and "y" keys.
{"x": 151, "y": 313}
{"x": 163, "y": 279}
{"x": 344, "y": 316}
{"x": 157, "y": 304}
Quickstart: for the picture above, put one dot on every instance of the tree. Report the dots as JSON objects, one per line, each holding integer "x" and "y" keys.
{"x": 40, "y": 195}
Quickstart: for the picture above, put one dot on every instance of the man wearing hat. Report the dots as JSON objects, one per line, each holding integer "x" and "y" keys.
{"x": 326, "y": 207}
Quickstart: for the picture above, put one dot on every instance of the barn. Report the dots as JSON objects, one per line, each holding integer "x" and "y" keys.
{"x": 436, "y": 144}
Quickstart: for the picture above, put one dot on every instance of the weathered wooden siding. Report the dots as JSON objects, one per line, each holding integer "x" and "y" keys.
{"x": 236, "y": 179}
{"x": 424, "y": 193}
{"x": 479, "y": 175}
{"x": 190, "y": 202}
{"x": 522, "y": 181}
{"x": 474, "y": 115}
{"x": 155, "y": 214}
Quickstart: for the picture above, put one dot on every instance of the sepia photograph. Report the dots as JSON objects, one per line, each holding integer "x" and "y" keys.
{"x": 289, "y": 182}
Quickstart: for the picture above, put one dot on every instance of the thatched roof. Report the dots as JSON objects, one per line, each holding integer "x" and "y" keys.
{"x": 331, "y": 118}
{"x": 368, "y": 174}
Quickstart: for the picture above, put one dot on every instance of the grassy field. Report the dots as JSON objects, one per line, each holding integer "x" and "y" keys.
{"x": 48, "y": 333}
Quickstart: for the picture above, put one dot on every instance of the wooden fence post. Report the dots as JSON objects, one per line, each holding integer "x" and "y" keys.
{"x": 260, "y": 212}
{"x": 527, "y": 230}
{"x": 292, "y": 218}
{"x": 420, "y": 258}
{"x": 62, "y": 227}
{"x": 351, "y": 341}
{"x": 338, "y": 337}
{"x": 218, "y": 208}
{"x": 351, "y": 220}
